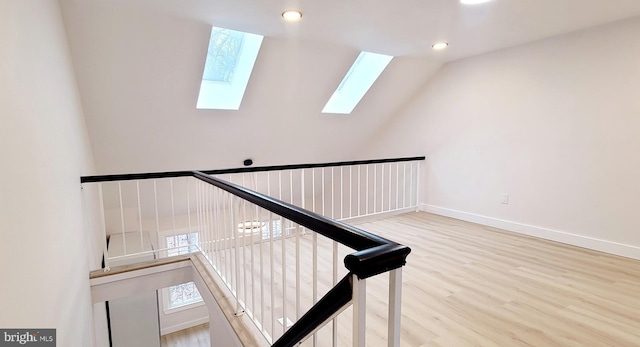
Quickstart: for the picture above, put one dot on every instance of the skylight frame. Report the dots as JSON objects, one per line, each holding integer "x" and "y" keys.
{"x": 364, "y": 72}
{"x": 228, "y": 94}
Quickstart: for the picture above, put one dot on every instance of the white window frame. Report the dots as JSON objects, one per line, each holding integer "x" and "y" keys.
{"x": 165, "y": 295}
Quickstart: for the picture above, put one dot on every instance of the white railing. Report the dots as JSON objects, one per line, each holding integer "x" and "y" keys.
{"x": 345, "y": 193}
{"x": 275, "y": 268}
{"x": 264, "y": 258}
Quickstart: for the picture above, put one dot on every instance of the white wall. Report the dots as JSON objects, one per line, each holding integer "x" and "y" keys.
{"x": 92, "y": 230}
{"x": 553, "y": 123}
{"x": 44, "y": 150}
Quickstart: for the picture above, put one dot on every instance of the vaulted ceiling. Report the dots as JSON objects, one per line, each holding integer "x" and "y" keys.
{"x": 139, "y": 64}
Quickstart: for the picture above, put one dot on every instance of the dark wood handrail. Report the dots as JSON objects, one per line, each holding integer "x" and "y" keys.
{"x": 339, "y": 296}
{"x": 360, "y": 263}
{"x": 374, "y": 254}
{"x": 169, "y": 174}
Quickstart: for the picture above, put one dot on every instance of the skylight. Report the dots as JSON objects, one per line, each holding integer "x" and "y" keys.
{"x": 229, "y": 63}
{"x": 360, "y": 77}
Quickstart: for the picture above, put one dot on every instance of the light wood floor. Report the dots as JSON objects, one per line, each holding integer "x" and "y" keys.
{"x": 193, "y": 337}
{"x": 470, "y": 285}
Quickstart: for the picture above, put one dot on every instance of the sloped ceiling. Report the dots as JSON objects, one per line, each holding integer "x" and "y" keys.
{"x": 139, "y": 64}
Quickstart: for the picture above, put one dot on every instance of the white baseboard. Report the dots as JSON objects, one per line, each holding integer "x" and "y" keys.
{"x": 377, "y": 216}
{"x": 610, "y": 247}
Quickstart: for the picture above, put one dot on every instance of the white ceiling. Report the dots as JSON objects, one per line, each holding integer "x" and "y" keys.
{"x": 139, "y": 63}
{"x": 398, "y": 27}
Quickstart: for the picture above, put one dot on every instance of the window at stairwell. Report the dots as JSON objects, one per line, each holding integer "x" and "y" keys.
{"x": 230, "y": 59}
{"x": 355, "y": 84}
{"x": 186, "y": 293}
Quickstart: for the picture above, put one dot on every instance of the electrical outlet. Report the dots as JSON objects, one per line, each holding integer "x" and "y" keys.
{"x": 505, "y": 198}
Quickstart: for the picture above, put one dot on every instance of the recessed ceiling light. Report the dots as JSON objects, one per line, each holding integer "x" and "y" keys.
{"x": 473, "y": 2}
{"x": 292, "y": 15}
{"x": 440, "y": 45}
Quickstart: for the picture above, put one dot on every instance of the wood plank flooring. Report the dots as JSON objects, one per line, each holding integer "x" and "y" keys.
{"x": 471, "y": 285}
{"x": 193, "y": 337}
